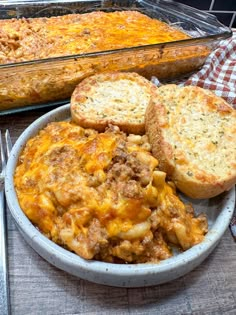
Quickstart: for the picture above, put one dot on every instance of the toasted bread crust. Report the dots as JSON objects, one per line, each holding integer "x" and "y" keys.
{"x": 193, "y": 135}
{"x": 112, "y": 98}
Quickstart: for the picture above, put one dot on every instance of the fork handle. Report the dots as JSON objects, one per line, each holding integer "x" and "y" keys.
{"x": 4, "y": 287}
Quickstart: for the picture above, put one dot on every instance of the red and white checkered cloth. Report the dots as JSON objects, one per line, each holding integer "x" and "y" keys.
{"x": 219, "y": 71}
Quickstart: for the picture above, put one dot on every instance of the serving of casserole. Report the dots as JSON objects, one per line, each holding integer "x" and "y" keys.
{"x": 96, "y": 205}
{"x": 102, "y": 196}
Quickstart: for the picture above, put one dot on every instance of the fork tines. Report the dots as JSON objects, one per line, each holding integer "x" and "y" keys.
{"x": 3, "y": 159}
{"x": 8, "y": 142}
{"x": 8, "y": 147}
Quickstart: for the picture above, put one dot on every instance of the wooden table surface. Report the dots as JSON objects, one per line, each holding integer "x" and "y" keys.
{"x": 36, "y": 287}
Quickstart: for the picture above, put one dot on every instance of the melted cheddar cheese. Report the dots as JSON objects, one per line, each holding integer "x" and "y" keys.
{"x": 27, "y": 39}
{"x": 36, "y": 38}
{"x": 101, "y": 195}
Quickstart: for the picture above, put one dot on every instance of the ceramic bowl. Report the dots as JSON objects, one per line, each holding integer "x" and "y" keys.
{"x": 219, "y": 211}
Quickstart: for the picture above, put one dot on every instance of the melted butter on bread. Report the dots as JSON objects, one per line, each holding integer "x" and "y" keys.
{"x": 197, "y": 144}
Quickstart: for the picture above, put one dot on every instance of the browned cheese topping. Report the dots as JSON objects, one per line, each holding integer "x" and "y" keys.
{"x": 102, "y": 196}
{"x": 37, "y": 38}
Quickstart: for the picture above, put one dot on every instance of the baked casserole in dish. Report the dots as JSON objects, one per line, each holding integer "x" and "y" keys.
{"x": 48, "y": 48}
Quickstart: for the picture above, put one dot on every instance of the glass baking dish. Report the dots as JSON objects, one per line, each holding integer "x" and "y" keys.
{"x": 46, "y": 82}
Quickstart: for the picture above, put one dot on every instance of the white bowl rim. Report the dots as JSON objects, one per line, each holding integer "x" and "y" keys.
{"x": 67, "y": 257}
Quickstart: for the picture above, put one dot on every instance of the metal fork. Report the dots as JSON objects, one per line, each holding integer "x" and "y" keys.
{"x": 232, "y": 225}
{"x": 4, "y": 284}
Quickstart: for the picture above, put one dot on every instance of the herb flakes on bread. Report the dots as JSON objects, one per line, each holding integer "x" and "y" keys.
{"x": 193, "y": 135}
{"x": 118, "y": 98}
